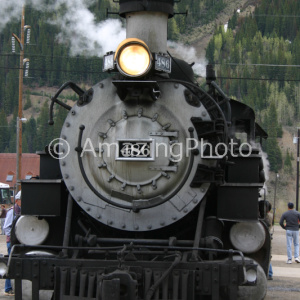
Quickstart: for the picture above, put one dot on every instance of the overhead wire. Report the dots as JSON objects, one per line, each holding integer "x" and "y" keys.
{"x": 99, "y": 58}
{"x": 218, "y": 77}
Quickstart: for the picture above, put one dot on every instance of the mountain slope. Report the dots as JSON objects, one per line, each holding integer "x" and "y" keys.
{"x": 199, "y": 36}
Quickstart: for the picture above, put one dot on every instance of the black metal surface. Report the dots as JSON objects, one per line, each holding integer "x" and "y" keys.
{"x": 49, "y": 166}
{"x": 208, "y": 129}
{"x": 237, "y": 202}
{"x": 243, "y": 169}
{"x": 164, "y": 6}
{"x": 86, "y": 98}
{"x": 207, "y": 174}
{"x": 43, "y": 197}
{"x": 88, "y": 279}
{"x": 135, "y": 88}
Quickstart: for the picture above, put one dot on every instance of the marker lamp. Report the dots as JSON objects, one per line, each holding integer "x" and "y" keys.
{"x": 133, "y": 58}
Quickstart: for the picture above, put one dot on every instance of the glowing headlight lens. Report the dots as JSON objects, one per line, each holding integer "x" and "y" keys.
{"x": 30, "y": 230}
{"x": 133, "y": 58}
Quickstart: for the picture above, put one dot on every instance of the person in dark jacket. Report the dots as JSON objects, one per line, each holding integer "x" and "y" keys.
{"x": 290, "y": 222}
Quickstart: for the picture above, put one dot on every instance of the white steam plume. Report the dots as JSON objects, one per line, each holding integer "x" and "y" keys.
{"x": 189, "y": 54}
{"x": 77, "y": 25}
{"x": 11, "y": 10}
{"x": 266, "y": 165}
{"x": 266, "y": 169}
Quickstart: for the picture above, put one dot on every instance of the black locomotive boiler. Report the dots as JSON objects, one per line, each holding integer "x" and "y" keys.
{"x": 153, "y": 190}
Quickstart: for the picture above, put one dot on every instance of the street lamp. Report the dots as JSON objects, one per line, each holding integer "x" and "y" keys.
{"x": 296, "y": 141}
{"x": 19, "y": 154}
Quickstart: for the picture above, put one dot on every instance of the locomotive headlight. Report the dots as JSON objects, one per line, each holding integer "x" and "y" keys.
{"x": 133, "y": 58}
{"x": 30, "y": 230}
{"x": 247, "y": 237}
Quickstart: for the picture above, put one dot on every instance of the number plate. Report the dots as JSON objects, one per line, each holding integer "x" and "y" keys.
{"x": 137, "y": 150}
{"x": 162, "y": 63}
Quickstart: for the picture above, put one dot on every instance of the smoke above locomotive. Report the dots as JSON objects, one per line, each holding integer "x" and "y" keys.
{"x": 154, "y": 179}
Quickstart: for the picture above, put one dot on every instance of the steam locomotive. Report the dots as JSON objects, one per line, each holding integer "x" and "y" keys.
{"x": 154, "y": 188}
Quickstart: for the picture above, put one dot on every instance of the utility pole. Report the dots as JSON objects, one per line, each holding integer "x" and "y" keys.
{"x": 297, "y": 180}
{"x": 19, "y": 123}
{"x": 274, "y": 206}
{"x": 20, "y": 110}
{"x": 296, "y": 141}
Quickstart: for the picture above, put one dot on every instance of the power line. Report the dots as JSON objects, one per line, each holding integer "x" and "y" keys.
{"x": 260, "y": 65}
{"x": 99, "y": 59}
{"x": 52, "y": 56}
{"x": 279, "y": 16}
{"x": 52, "y": 70}
{"x": 101, "y": 72}
{"x": 264, "y": 79}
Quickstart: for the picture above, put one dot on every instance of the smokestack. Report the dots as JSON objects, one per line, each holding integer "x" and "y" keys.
{"x": 148, "y": 20}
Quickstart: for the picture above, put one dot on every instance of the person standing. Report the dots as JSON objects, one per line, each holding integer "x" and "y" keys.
{"x": 11, "y": 214}
{"x": 290, "y": 222}
{"x": 2, "y": 217}
{"x": 269, "y": 222}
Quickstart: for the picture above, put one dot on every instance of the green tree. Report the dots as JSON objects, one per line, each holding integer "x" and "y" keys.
{"x": 173, "y": 30}
{"x": 44, "y": 131}
{"x": 30, "y": 135}
{"x": 28, "y": 100}
{"x": 4, "y": 134}
{"x": 288, "y": 168}
{"x": 272, "y": 147}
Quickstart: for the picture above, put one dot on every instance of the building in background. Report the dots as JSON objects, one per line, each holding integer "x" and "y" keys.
{"x": 30, "y": 167}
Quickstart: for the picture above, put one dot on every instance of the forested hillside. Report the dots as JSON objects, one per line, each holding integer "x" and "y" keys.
{"x": 258, "y": 63}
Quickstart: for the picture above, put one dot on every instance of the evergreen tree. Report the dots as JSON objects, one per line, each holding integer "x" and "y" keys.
{"x": 272, "y": 147}
{"x": 44, "y": 131}
{"x": 210, "y": 50}
{"x": 30, "y": 135}
{"x": 60, "y": 117}
{"x": 173, "y": 31}
{"x": 233, "y": 21}
{"x": 28, "y": 100}
{"x": 288, "y": 163}
{"x": 4, "y": 134}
